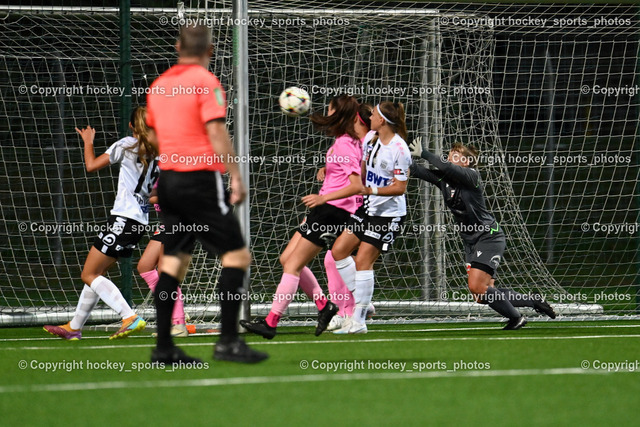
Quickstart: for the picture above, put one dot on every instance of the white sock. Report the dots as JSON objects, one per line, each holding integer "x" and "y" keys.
{"x": 363, "y": 294}
{"x": 347, "y": 270}
{"x": 86, "y": 303}
{"x": 110, "y": 294}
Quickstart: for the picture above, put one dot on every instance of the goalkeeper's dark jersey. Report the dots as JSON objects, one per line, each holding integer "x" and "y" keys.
{"x": 462, "y": 190}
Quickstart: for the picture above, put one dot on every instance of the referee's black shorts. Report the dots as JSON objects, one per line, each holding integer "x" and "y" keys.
{"x": 194, "y": 206}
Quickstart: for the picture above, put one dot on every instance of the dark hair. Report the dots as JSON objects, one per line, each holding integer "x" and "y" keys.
{"x": 146, "y": 151}
{"x": 341, "y": 121}
{"x": 394, "y": 111}
{"x": 194, "y": 40}
{"x": 364, "y": 114}
{"x": 468, "y": 151}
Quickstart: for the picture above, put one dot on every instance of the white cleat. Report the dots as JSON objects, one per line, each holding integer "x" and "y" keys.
{"x": 346, "y": 324}
{"x": 335, "y": 323}
{"x": 371, "y": 311}
{"x": 179, "y": 331}
{"x": 351, "y": 327}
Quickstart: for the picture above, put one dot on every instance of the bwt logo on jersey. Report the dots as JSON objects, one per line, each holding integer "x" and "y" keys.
{"x": 377, "y": 180}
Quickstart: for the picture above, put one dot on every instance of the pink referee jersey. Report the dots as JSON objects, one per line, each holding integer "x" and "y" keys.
{"x": 343, "y": 159}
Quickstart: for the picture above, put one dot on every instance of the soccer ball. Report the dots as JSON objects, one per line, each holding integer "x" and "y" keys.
{"x": 294, "y": 101}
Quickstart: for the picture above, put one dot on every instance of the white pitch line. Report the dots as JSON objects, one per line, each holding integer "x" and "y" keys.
{"x": 477, "y": 328}
{"x": 352, "y": 341}
{"x": 217, "y": 382}
{"x": 549, "y": 327}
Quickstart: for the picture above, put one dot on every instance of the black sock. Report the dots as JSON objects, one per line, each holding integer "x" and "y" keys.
{"x": 497, "y": 301}
{"x": 230, "y": 291}
{"x": 517, "y": 299}
{"x": 164, "y": 299}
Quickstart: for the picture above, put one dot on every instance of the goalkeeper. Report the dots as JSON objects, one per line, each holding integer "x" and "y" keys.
{"x": 484, "y": 241}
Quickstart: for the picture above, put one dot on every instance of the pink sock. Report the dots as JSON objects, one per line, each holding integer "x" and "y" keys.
{"x": 272, "y": 319}
{"x": 340, "y": 295}
{"x": 177, "y": 317}
{"x": 151, "y": 277}
{"x": 284, "y": 295}
{"x": 309, "y": 284}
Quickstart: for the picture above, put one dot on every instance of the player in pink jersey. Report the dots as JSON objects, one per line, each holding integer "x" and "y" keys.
{"x": 330, "y": 210}
{"x": 338, "y": 291}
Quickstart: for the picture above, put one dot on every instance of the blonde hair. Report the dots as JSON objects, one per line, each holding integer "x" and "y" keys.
{"x": 146, "y": 151}
{"x": 468, "y": 151}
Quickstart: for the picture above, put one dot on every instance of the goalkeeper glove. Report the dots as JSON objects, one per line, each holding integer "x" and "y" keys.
{"x": 416, "y": 147}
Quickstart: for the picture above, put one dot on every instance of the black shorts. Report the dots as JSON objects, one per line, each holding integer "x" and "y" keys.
{"x": 379, "y": 231}
{"x": 323, "y": 224}
{"x": 158, "y": 234}
{"x": 487, "y": 251}
{"x": 195, "y": 205}
{"x": 120, "y": 238}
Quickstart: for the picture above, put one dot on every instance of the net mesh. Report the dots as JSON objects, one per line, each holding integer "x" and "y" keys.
{"x": 548, "y": 94}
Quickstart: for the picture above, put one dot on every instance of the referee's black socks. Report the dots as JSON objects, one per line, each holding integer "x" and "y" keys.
{"x": 166, "y": 291}
{"x": 230, "y": 295}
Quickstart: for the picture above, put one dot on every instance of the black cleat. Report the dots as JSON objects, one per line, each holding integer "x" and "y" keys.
{"x": 515, "y": 323}
{"x": 325, "y": 316}
{"x": 259, "y": 327}
{"x": 173, "y": 356}
{"x": 543, "y": 307}
{"x": 238, "y": 351}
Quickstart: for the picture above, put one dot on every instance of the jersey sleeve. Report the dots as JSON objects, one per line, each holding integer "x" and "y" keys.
{"x": 402, "y": 163}
{"x": 466, "y": 177}
{"x": 213, "y": 101}
{"x": 420, "y": 172}
{"x": 116, "y": 151}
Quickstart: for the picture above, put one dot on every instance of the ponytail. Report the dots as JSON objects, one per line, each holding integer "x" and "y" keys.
{"x": 394, "y": 115}
{"x": 146, "y": 151}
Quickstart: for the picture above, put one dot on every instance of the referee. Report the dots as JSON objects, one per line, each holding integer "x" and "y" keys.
{"x": 186, "y": 108}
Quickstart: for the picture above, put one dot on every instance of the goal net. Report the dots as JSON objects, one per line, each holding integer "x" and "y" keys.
{"x": 551, "y": 103}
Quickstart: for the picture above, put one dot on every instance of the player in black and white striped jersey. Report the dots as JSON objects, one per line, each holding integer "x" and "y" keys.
{"x": 126, "y": 225}
{"x": 374, "y": 227}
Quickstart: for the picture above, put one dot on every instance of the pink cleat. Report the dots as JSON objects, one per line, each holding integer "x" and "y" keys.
{"x": 64, "y": 333}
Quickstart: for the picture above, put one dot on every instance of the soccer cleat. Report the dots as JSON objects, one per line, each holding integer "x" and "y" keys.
{"x": 325, "y": 315}
{"x": 179, "y": 331}
{"x": 352, "y": 327}
{"x": 371, "y": 311}
{"x": 515, "y": 323}
{"x": 238, "y": 351}
{"x": 136, "y": 323}
{"x": 346, "y": 325}
{"x": 64, "y": 333}
{"x": 173, "y": 356}
{"x": 543, "y": 307}
{"x": 259, "y": 327}
{"x": 336, "y": 323}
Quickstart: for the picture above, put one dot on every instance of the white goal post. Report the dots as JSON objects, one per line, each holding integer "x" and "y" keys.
{"x": 526, "y": 96}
